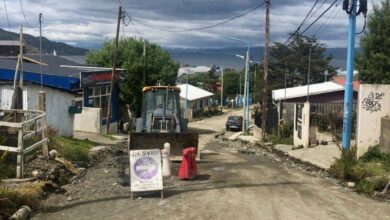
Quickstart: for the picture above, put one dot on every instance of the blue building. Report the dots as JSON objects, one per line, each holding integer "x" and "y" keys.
{"x": 67, "y": 84}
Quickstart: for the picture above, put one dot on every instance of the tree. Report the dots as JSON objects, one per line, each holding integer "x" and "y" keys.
{"x": 158, "y": 65}
{"x": 206, "y": 81}
{"x": 231, "y": 83}
{"x": 373, "y": 63}
{"x": 294, "y": 58}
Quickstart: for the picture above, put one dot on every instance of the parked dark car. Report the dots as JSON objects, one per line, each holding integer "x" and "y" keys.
{"x": 234, "y": 123}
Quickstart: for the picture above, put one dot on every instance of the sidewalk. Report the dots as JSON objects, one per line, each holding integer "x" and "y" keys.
{"x": 322, "y": 156}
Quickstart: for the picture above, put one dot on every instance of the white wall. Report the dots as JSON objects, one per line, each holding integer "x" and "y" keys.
{"x": 373, "y": 104}
{"x": 304, "y": 140}
{"x": 89, "y": 120}
{"x": 57, "y": 104}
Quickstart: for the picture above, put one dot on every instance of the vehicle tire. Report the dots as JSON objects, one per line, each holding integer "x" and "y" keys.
{"x": 227, "y": 128}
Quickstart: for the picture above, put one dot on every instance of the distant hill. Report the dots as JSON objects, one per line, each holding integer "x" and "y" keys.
{"x": 48, "y": 46}
{"x": 226, "y": 57}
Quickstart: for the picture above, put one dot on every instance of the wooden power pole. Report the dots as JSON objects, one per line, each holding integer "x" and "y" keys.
{"x": 113, "y": 74}
{"x": 266, "y": 60}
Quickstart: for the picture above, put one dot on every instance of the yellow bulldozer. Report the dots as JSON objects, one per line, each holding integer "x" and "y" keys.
{"x": 162, "y": 121}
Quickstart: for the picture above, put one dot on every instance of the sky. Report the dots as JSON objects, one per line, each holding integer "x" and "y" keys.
{"x": 88, "y": 23}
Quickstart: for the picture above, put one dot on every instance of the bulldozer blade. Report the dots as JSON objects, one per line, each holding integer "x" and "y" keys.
{"x": 178, "y": 142}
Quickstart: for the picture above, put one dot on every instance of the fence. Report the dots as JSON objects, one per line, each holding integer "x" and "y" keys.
{"x": 23, "y": 125}
{"x": 328, "y": 117}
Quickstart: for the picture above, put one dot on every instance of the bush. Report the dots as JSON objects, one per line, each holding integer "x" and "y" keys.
{"x": 370, "y": 172}
{"x": 70, "y": 148}
{"x": 343, "y": 168}
{"x": 286, "y": 130}
{"x": 369, "y": 185}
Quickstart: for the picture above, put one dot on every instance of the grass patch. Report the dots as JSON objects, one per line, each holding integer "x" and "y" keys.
{"x": 70, "y": 148}
{"x": 25, "y": 194}
{"x": 371, "y": 172}
{"x": 281, "y": 140}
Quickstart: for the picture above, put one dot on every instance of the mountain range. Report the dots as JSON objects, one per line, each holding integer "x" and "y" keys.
{"x": 48, "y": 46}
{"x": 227, "y": 58}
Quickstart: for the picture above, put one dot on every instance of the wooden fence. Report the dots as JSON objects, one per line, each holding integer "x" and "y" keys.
{"x": 25, "y": 124}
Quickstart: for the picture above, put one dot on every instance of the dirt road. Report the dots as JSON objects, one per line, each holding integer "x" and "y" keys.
{"x": 230, "y": 186}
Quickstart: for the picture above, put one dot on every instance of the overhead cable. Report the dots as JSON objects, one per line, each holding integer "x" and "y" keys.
{"x": 24, "y": 15}
{"x": 199, "y": 28}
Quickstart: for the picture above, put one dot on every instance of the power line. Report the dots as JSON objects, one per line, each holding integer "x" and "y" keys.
{"x": 24, "y": 15}
{"x": 317, "y": 9}
{"x": 328, "y": 21}
{"x": 200, "y": 28}
{"x": 322, "y": 14}
{"x": 6, "y": 13}
{"x": 304, "y": 20}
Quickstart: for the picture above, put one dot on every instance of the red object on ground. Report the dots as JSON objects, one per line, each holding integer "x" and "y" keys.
{"x": 188, "y": 170}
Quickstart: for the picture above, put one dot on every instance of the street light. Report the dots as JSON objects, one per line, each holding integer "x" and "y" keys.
{"x": 247, "y": 93}
{"x": 245, "y": 125}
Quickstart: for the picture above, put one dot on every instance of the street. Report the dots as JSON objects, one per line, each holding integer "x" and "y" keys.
{"x": 230, "y": 185}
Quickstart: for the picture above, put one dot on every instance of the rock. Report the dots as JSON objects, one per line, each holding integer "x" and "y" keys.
{"x": 35, "y": 173}
{"x": 97, "y": 149}
{"x": 218, "y": 168}
{"x": 350, "y": 184}
{"x": 162, "y": 202}
{"x": 53, "y": 154}
{"x": 69, "y": 198}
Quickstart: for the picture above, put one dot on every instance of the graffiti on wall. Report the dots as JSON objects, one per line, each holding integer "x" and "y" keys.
{"x": 372, "y": 102}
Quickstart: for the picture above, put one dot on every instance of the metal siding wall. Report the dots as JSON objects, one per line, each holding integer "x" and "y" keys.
{"x": 6, "y": 97}
{"x": 57, "y": 103}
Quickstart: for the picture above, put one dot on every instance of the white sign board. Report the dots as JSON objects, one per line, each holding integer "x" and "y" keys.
{"x": 145, "y": 170}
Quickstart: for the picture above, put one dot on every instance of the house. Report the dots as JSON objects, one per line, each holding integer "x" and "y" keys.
{"x": 67, "y": 85}
{"x": 193, "y": 70}
{"x": 328, "y": 97}
{"x": 197, "y": 99}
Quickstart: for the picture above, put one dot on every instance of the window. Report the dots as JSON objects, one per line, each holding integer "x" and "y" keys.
{"x": 100, "y": 96}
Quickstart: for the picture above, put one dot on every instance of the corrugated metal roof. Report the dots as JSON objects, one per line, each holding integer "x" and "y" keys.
{"x": 9, "y": 43}
{"x": 194, "y": 93}
{"x": 301, "y": 91}
{"x": 52, "y": 67}
{"x": 193, "y": 70}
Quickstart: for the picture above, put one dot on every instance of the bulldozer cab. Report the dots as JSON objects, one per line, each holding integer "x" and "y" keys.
{"x": 160, "y": 110}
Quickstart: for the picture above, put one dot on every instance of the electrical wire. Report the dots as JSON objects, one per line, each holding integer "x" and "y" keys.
{"x": 364, "y": 26}
{"x": 302, "y": 23}
{"x": 199, "y": 28}
{"x": 317, "y": 9}
{"x": 328, "y": 21}
{"x": 318, "y": 18}
{"x": 6, "y": 13}
{"x": 125, "y": 14}
{"x": 24, "y": 15}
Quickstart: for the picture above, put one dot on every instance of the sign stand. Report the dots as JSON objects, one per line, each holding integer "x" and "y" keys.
{"x": 145, "y": 172}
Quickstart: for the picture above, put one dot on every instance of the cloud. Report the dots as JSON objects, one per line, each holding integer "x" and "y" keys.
{"x": 88, "y": 23}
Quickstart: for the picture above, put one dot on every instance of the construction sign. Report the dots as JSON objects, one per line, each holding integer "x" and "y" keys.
{"x": 145, "y": 170}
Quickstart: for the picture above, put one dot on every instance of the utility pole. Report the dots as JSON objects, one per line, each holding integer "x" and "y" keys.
{"x": 348, "y": 94}
{"x": 40, "y": 48}
{"x": 308, "y": 75}
{"x": 144, "y": 58}
{"x": 222, "y": 89}
{"x": 113, "y": 74}
{"x": 21, "y": 83}
{"x": 266, "y": 60}
{"x": 246, "y": 87}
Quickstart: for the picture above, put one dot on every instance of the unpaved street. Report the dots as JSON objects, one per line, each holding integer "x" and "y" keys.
{"x": 230, "y": 186}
